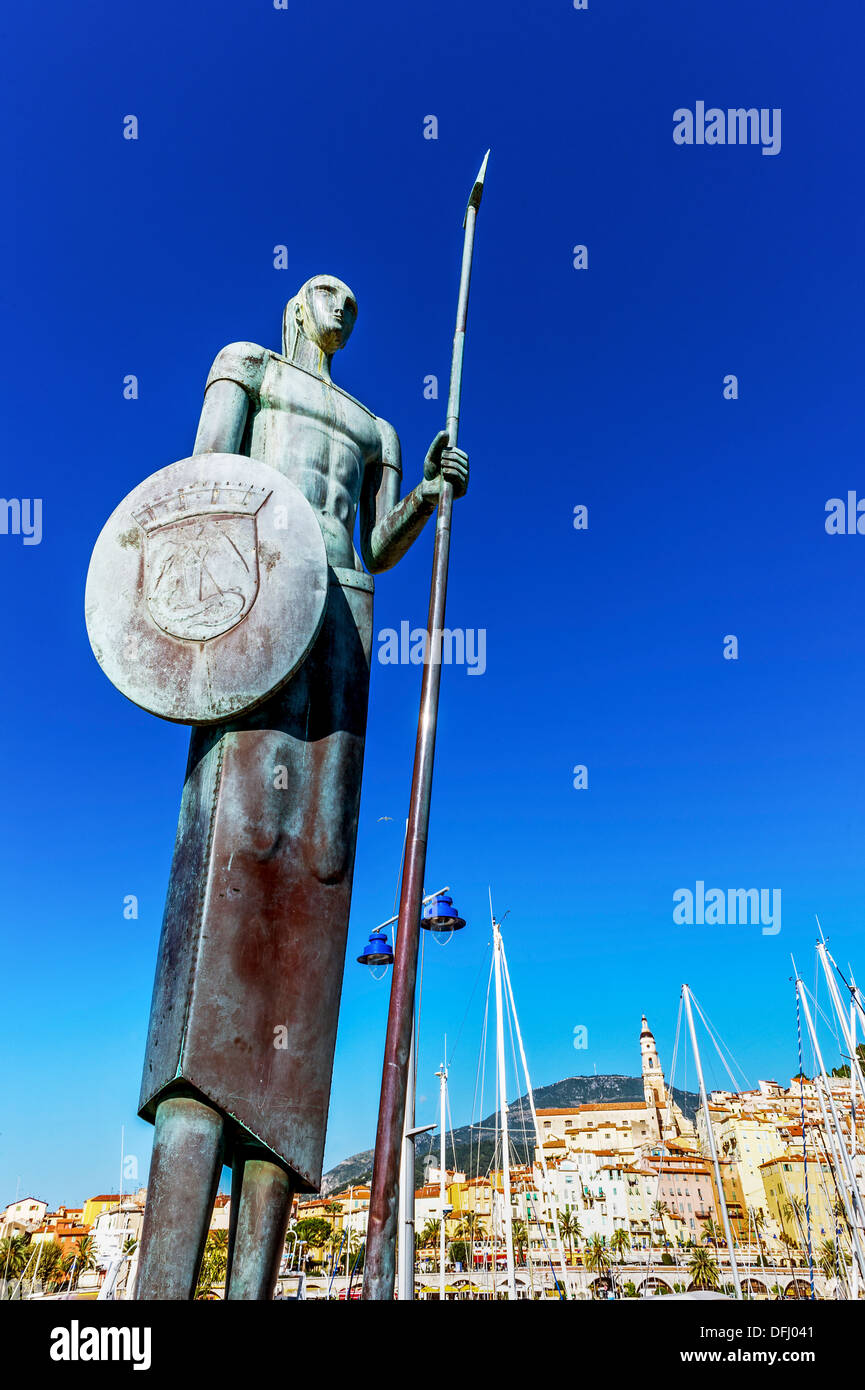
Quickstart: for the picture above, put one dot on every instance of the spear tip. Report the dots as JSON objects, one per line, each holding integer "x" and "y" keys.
{"x": 478, "y": 188}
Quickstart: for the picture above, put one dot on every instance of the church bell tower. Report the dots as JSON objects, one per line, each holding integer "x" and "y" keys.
{"x": 653, "y": 1077}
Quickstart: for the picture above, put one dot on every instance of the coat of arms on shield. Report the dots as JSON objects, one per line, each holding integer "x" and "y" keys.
{"x": 201, "y": 558}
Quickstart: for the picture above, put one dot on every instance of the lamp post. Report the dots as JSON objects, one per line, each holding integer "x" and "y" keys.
{"x": 440, "y": 917}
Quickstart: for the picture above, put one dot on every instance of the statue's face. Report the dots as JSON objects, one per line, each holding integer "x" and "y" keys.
{"x": 327, "y": 313}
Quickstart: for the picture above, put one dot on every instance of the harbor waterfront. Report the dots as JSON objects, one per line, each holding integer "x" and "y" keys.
{"x": 619, "y": 1201}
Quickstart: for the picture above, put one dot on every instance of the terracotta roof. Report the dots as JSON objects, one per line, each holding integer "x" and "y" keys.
{"x": 667, "y": 1168}
{"x": 616, "y": 1105}
{"x": 793, "y": 1158}
{"x": 602, "y": 1105}
{"x": 64, "y": 1229}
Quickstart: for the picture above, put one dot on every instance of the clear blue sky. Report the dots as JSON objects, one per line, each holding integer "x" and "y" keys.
{"x": 602, "y": 387}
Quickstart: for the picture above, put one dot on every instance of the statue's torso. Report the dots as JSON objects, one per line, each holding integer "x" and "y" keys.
{"x": 320, "y": 438}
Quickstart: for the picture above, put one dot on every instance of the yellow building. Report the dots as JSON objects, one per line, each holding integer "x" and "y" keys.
{"x": 95, "y": 1206}
{"x": 749, "y": 1141}
{"x": 327, "y": 1208}
{"x": 784, "y": 1186}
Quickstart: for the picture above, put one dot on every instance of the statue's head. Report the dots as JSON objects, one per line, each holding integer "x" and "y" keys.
{"x": 323, "y": 311}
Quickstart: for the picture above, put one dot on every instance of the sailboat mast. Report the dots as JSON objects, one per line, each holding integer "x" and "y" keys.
{"x": 443, "y": 1081}
{"x": 849, "y": 1034}
{"x": 725, "y": 1215}
{"x": 850, "y": 1194}
{"x": 834, "y": 994}
{"x": 503, "y": 1103}
{"x": 548, "y": 1194}
{"x": 853, "y": 1087}
{"x": 854, "y": 1283}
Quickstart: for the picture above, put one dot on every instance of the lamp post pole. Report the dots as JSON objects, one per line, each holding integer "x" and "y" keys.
{"x": 406, "y": 1247}
{"x": 406, "y": 1243}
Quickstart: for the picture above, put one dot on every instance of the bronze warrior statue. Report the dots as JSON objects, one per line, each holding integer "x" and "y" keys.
{"x": 244, "y": 1015}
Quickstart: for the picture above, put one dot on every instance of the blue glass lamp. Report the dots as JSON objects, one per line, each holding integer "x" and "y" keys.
{"x": 377, "y": 954}
{"x": 441, "y": 917}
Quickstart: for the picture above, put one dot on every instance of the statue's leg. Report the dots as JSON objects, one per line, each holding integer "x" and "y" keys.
{"x": 234, "y": 1206}
{"x": 184, "y": 1176}
{"x": 262, "y": 1218}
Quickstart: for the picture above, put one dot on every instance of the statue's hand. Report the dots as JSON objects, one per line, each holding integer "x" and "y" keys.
{"x": 442, "y": 462}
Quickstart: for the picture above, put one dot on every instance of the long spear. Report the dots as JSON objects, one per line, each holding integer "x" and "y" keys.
{"x": 380, "y": 1264}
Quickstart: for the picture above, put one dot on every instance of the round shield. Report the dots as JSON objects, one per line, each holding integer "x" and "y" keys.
{"x": 206, "y": 588}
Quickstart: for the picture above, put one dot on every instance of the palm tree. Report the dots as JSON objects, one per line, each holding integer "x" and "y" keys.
{"x": 334, "y": 1243}
{"x": 130, "y": 1245}
{"x": 831, "y": 1258}
{"x": 659, "y": 1211}
{"x": 570, "y": 1230}
{"x": 842, "y": 1225}
{"x": 14, "y": 1254}
{"x": 620, "y": 1241}
{"x": 313, "y": 1231}
{"x": 791, "y": 1242}
{"x": 703, "y": 1269}
{"x": 795, "y": 1210}
{"x": 520, "y": 1232}
{"x": 711, "y": 1232}
{"x": 84, "y": 1252}
{"x": 48, "y": 1262}
{"x": 470, "y": 1228}
{"x": 429, "y": 1236}
{"x": 214, "y": 1264}
{"x": 758, "y": 1221}
{"x": 596, "y": 1256}
{"x": 67, "y": 1267}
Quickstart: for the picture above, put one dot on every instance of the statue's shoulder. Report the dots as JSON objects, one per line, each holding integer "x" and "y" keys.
{"x": 390, "y": 449}
{"x": 244, "y": 363}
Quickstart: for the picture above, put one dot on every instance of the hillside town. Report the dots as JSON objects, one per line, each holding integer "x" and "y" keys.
{"x": 621, "y": 1199}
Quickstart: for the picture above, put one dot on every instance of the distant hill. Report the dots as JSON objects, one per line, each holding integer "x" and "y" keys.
{"x": 474, "y": 1144}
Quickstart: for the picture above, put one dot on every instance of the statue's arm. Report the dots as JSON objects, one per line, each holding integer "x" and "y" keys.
{"x": 232, "y": 386}
{"x": 389, "y": 525}
{"x": 223, "y": 419}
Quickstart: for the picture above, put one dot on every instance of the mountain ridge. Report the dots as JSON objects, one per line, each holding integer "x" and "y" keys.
{"x": 473, "y": 1151}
